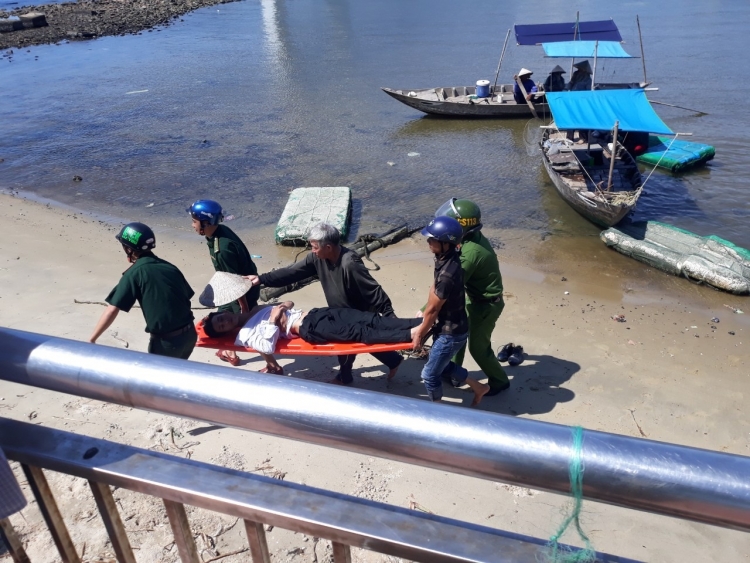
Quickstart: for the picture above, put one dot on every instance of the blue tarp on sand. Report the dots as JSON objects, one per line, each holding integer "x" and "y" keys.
{"x": 603, "y": 30}
{"x": 586, "y": 50}
{"x": 599, "y": 109}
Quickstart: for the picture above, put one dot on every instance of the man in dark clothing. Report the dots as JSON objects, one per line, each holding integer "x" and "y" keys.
{"x": 160, "y": 289}
{"x": 228, "y": 254}
{"x": 445, "y": 313}
{"x": 346, "y": 283}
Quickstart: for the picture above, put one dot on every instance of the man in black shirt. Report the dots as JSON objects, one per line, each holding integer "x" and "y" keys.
{"x": 445, "y": 313}
{"x": 346, "y": 283}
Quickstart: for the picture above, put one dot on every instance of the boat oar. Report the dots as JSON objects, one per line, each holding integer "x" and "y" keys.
{"x": 525, "y": 94}
{"x": 679, "y": 107}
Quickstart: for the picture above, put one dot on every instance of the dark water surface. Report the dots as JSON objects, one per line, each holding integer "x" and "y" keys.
{"x": 246, "y": 101}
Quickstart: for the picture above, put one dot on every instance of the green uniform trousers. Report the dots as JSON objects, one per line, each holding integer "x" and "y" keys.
{"x": 180, "y": 346}
{"x": 482, "y": 319}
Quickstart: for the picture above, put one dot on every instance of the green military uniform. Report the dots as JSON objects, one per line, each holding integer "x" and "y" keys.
{"x": 229, "y": 254}
{"x": 484, "y": 303}
{"x": 164, "y": 296}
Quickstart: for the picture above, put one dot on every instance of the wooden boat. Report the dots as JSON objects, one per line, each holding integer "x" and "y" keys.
{"x": 594, "y": 39}
{"x": 462, "y": 101}
{"x": 600, "y": 181}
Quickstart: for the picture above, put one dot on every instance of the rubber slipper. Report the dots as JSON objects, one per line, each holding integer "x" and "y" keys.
{"x": 274, "y": 371}
{"x": 233, "y": 360}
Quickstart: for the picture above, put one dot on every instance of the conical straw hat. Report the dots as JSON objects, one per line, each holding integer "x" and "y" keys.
{"x": 223, "y": 288}
{"x": 524, "y": 72}
{"x": 557, "y": 68}
{"x": 584, "y": 66}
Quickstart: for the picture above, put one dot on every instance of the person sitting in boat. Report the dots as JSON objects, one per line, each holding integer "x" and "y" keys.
{"x": 524, "y": 75}
{"x": 261, "y": 327}
{"x": 555, "y": 82}
{"x": 581, "y": 79}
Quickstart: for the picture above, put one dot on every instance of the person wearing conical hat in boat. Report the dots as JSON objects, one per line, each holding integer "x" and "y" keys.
{"x": 525, "y": 76}
{"x": 581, "y": 79}
{"x": 555, "y": 82}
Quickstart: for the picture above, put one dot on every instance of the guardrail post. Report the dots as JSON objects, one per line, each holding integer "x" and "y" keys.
{"x": 51, "y": 513}
{"x": 112, "y": 522}
{"x": 183, "y": 536}
{"x": 258, "y": 545}
{"x": 14, "y": 545}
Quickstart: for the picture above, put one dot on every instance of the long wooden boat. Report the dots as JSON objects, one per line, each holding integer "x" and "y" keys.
{"x": 600, "y": 181}
{"x": 580, "y": 173}
{"x": 461, "y": 101}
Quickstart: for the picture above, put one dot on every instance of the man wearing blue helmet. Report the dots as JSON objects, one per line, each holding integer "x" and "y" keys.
{"x": 228, "y": 254}
{"x": 445, "y": 312}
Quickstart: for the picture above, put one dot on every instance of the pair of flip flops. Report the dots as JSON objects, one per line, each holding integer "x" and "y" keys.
{"x": 511, "y": 353}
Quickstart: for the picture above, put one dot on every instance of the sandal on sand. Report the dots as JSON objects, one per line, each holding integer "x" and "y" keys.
{"x": 234, "y": 360}
{"x": 274, "y": 371}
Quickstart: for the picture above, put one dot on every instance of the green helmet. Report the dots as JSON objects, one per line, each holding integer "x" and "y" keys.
{"x": 466, "y": 212}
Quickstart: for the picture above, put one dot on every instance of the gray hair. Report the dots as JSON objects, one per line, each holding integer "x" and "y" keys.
{"x": 323, "y": 233}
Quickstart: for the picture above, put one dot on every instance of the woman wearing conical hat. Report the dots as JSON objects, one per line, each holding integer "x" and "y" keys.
{"x": 555, "y": 81}
{"x": 581, "y": 79}
{"x": 525, "y": 76}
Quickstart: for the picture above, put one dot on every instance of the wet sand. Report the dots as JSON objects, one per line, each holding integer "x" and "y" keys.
{"x": 668, "y": 373}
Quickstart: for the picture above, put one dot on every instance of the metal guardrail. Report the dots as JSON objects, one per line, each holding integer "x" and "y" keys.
{"x": 679, "y": 481}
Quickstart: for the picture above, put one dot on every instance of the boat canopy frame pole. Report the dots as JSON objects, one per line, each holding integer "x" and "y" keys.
{"x": 500, "y": 63}
{"x": 643, "y": 55}
{"x": 575, "y": 32}
{"x": 593, "y": 76}
{"x": 612, "y": 156}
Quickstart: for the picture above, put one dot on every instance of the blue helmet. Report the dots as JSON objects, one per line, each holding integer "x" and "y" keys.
{"x": 206, "y": 210}
{"x": 444, "y": 229}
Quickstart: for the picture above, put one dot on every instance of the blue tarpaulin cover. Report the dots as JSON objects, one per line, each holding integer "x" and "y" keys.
{"x": 586, "y": 50}
{"x": 599, "y": 109}
{"x": 604, "y": 30}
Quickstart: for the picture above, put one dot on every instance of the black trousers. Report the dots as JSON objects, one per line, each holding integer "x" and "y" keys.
{"x": 333, "y": 324}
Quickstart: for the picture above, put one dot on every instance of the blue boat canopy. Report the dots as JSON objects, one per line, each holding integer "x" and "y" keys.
{"x": 586, "y": 50}
{"x": 604, "y": 30}
{"x": 599, "y": 109}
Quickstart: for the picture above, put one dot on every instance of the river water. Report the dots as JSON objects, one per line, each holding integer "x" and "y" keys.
{"x": 243, "y": 102}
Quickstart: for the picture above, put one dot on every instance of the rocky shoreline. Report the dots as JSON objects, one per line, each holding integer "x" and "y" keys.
{"x": 91, "y": 19}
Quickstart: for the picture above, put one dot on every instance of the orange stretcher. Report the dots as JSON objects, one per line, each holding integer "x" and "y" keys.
{"x": 297, "y": 346}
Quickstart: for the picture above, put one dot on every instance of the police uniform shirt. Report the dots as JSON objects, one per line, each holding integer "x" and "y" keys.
{"x": 160, "y": 289}
{"x": 449, "y": 285}
{"x": 481, "y": 269}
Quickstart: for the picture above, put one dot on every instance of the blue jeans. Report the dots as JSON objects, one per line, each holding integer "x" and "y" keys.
{"x": 439, "y": 364}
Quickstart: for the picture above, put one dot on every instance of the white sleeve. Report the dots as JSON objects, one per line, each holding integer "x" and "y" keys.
{"x": 262, "y": 337}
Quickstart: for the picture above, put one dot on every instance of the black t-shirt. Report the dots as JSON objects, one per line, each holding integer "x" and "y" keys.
{"x": 449, "y": 285}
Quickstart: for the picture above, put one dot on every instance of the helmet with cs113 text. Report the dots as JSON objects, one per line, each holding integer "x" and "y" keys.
{"x": 465, "y": 211}
{"x": 206, "y": 210}
{"x": 444, "y": 229}
{"x": 137, "y": 236}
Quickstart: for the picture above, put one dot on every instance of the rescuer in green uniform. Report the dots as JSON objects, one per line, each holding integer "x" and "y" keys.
{"x": 160, "y": 289}
{"x": 484, "y": 291}
{"x": 228, "y": 254}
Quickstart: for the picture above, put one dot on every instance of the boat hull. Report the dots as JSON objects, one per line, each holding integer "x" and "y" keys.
{"x": 432, "y": 101}
{"x": 578, "y": 189}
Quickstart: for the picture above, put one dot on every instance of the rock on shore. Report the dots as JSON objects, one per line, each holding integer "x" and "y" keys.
{"x": 90, "y": 19}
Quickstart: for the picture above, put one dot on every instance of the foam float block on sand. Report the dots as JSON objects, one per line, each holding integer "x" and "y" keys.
{"x": 308, "y": 206}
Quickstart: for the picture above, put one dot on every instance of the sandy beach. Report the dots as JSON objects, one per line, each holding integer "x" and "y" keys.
{"x": 668, "y": 373}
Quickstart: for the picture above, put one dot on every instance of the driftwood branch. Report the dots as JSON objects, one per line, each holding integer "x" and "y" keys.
{"x": 362, "y": 246}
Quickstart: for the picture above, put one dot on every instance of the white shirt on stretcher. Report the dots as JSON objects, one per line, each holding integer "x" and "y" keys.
{"x": 260, "y": 334}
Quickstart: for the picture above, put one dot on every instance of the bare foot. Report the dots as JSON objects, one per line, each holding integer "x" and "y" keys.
{"x": 480, "y": 391}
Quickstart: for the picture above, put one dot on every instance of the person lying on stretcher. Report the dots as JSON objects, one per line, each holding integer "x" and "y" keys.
{"x": 261, "y": 328}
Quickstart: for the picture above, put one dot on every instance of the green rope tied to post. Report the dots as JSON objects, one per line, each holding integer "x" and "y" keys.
{"x": 562, "y": 554}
